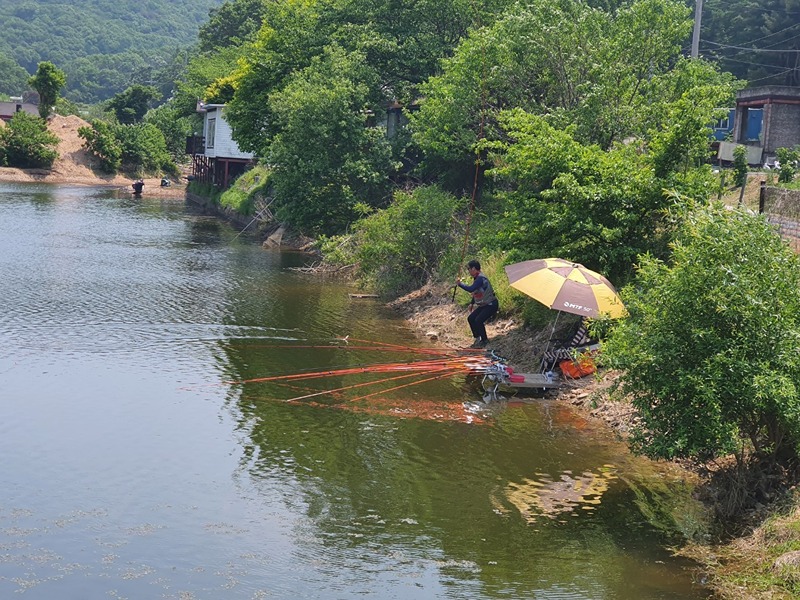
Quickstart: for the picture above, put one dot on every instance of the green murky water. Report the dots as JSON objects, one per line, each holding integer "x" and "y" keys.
{"x": 131, "y": 469}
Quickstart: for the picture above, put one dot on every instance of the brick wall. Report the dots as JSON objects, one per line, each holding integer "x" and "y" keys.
{"x": 784, "y": 127}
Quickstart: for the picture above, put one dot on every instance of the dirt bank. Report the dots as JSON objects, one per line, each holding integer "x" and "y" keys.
{"x": 75, "y": 166}
{"x": 433, "y": 313}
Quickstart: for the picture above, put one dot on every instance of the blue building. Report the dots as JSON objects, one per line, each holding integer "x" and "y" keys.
{"x": 752, "y": 124}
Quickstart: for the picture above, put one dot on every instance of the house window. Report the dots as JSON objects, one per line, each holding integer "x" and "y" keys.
{"x": 212, "y": 126}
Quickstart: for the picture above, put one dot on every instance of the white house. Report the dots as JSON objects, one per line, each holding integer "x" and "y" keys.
{"x": 217, "y": 158}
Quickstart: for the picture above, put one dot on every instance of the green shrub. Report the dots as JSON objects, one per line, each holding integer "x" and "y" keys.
{"x": 788, "y": 159}
{"x": 139, "y": 148}
{"x": 740, "y": 165}
{"x": 25, "y": 142}
{"x": 400, "y": 247}
{"x": 709, "y": 352}
{"x": 100, "y": 141}
{"x": 144, "y": 149}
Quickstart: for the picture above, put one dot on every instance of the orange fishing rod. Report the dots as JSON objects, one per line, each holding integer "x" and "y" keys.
{"x": 399, "y": 387}
{"x": 379, "y": 368}
{"x": 366, "y": 383}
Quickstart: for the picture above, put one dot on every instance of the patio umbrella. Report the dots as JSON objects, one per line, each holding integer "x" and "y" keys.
{"x": 566, "y": 286}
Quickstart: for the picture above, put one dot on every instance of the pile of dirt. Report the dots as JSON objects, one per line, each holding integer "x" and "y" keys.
{"x": 74, "y": 165}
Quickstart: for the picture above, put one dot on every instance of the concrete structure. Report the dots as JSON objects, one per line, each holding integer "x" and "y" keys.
{"x": 216, "y": 157}
{"x": 780, "y": 118}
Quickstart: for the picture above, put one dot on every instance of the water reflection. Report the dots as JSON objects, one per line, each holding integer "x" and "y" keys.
{"x": 570, "y": 493}
{"x": 132, "y": 470}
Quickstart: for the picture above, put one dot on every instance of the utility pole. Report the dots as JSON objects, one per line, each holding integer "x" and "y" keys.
{"x": 698, "y": 13}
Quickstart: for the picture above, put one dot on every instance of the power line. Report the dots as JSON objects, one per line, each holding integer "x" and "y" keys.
{"x": 726, "y": 46}
{"x": 776, "y": 33}
{"x": 752, "y": 64}
{"x": 751, "y": 8}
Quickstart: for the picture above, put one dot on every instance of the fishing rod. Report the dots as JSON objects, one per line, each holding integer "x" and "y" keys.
{"x": 379, "y": 368}
{"x": 475, "y": 180}
{"x": 363, "y": 384}
{"x": 261, "y": 212}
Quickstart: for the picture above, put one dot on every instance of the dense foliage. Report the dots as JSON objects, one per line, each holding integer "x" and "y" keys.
{"x": 25, "y": 142}
{"x": 131, "y": 105}
{"x": 400, "y": 248}
{"x": 103, "y": 46}
{"x": 99, "y": 139}
{"x": 137, "y": 148}
{"x": 709, "y": 352}
{"x": 756, "y": 41}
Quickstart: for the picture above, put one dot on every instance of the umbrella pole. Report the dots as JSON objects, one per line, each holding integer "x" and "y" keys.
{"x": 547, "y": 347}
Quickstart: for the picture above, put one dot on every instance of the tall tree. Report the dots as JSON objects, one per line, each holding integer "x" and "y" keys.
{"x": 48, "y": 81}
{"x": 575, "y": 64}
{"x": 326, "y": 160}
{"x": 131, "y": 105}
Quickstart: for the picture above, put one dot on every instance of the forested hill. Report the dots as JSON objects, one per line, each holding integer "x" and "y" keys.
{"x": 102, "y": 45}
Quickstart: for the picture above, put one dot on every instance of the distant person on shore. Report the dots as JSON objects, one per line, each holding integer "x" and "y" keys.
{"x": 138, "y": 186}
{"x": 484, "y": 303}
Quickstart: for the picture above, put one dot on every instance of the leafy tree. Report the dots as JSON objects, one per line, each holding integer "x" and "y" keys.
{"x": 131, "y": 105}
{"x": 599, "y": 207}
{"x": 681, "y": 142}
{"x": 101, "y": 141}
{"x": 25, "y": 142}
{"x": 292, "y": 34}
{"x": 48, "y": 82}
{"x": 174, "y": 127}
{"x": 201, "y": 72}
{"x": 578, "y": 65}
{"x": 740, "y": 165}
{"x": 326, "y": 160}
{"x": 402, "y": 41}
{"x": 144, "y": 148}
{"x": 709, "y": 352}
{"x": 134, "y": 148}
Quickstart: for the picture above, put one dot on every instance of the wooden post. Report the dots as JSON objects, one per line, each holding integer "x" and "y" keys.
{"x": 741, "y": 193}
{"x": 762, "y": 196}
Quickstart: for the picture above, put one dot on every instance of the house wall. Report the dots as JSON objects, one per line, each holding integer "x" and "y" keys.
{"x": 784, "y": 126}
{"x": 219, "y": 137}
{"x": 781, "y": 115}
{"x": 7, "y": 109}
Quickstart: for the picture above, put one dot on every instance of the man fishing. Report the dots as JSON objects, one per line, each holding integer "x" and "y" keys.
{"x": 484, "y": 303}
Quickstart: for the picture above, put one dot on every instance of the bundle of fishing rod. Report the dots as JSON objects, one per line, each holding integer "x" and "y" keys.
{"x": 386, "y": 377}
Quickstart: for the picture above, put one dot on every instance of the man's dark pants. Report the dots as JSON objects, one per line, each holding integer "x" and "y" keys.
{"x": 478, "y": 317}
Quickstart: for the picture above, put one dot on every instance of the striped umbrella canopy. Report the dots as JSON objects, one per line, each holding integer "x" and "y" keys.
{"x": 567, "y": 286}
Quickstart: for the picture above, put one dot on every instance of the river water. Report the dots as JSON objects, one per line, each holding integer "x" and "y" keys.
{"x": 133, "y": 468}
